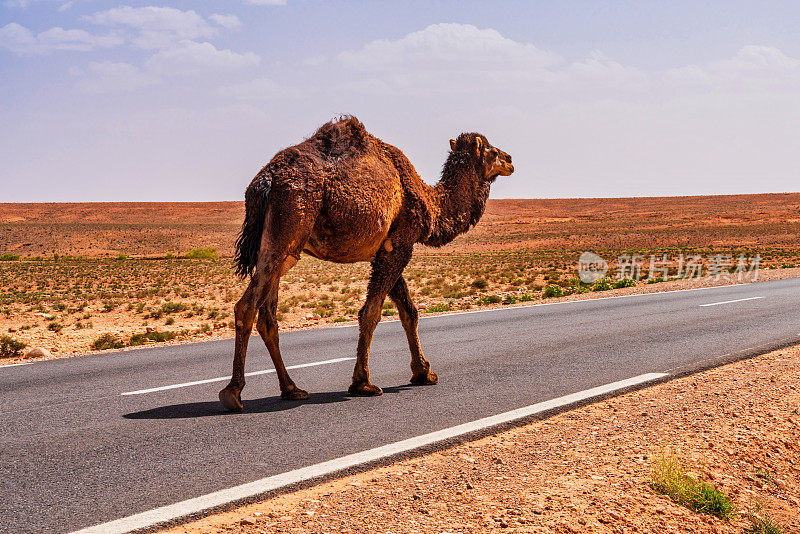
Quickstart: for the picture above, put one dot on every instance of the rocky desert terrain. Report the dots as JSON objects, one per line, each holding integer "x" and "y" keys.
{"x": 100, "y": 276}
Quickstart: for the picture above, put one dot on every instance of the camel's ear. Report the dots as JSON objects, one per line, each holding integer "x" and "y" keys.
{"x": 452, "y": 144}
{"x": 478, "y": 145}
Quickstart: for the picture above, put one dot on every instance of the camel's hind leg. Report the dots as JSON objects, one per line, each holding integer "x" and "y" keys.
{"x": 421, "y": 373}
{"x": 386, "y": 268}
{"x": 245, "y": 313}
{"x": 285, "y": 233}
{"x": 267, "y": 326}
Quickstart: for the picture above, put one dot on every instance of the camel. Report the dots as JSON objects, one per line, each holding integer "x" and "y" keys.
{"x": 344, "y": 196}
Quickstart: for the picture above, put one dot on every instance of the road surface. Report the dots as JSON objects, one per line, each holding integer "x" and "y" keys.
{"x": 93, "y": 439}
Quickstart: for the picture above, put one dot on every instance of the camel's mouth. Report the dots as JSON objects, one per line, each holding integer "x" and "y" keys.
{"x": 507, "y": 170}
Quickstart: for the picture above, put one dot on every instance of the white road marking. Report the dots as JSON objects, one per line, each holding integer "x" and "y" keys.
{"x": 218, "y": 498}
{"x": 15, "y": 364}
{"x": 729, "y": 301}
{"x": 223, "y": 378}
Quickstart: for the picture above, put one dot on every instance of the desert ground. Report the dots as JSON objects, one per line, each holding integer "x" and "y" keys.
{"x": 83, "y": 277}
{"x": 597, "y": 469}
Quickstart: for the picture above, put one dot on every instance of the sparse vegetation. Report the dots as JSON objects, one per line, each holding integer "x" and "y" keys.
{"x": 202, "y": 254}
{"x": 669, "y": 477}
{"x": 107, "y": 341}
{"x": 10, "y": 347}
{"x": 8, "y": 256}
{"x": 761, "y": 523}
{"x": 552, "y": 291}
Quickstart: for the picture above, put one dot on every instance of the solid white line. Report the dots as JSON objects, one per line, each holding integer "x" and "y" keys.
{"x": 218, "y": 498}
{"x": 223, "y": 378}
{"x": 15, "y": 364}
{"x": 729, "y": 301}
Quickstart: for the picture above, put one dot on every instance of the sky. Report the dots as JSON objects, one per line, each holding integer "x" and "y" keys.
{"x": 186, "y": 101}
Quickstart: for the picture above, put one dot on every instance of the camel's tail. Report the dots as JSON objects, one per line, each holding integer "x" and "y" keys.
{"x": 249, "y": 240}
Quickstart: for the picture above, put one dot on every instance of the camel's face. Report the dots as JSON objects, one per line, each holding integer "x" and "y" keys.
{"x": 498, "y": 162}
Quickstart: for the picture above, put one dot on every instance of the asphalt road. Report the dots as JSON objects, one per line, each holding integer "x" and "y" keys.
{"x": 76, "y": 452}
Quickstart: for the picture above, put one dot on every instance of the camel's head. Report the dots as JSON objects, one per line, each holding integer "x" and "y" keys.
{"x": 494, "y": 161}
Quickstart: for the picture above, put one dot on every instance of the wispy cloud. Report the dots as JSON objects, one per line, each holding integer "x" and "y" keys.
{"x": 157, "y": 27}
{"x": 190, "y": 57}
{"x": 21, "y": 40}
{"x": 230, "y": 22}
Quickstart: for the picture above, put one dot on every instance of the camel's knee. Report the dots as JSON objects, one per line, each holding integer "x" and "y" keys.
{"x": 266, "y": 325}
{"x": 369, "y": 316}
{"x": 244, "y": 312}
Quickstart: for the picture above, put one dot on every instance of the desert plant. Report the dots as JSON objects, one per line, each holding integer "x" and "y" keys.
{"x": 552, "y": 291}
{"x": 604, "y": 284}
{"x": 8, "y": 256}
{"x": 10, "y": 347}
{"x": 202, "y": 254}
{"x": 437, "y": 308}
{"x": 154, "y": 336}
{"x": 107, "y": 341}
{"x": 624, "y": 282}
{"x": 489, "y": 299}
{"x": 55, "y": 327}
{"x": 669, "y": 477}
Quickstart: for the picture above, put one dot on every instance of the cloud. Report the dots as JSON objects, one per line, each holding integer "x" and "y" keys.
{"x": 449, "y": 46}
{"x": 231, "y": 22}
{"x": 191, "y": 57}
{"x": 158, "y": 27}
{"x": 108, "y": 76}
{"x": 21, "y": 40}
{"x": 754, "y": 67}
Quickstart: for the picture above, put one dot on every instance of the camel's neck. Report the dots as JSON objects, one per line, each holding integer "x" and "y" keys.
{"x": 458, "y": 200}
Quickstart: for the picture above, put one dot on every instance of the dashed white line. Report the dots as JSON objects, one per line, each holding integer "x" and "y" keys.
{"x": 218, "y": 498}
{"x": 729, "y": 301}
{"x": 223, "y": 378}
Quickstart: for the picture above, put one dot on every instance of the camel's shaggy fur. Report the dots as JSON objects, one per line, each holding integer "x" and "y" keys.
{"x": 343, "y": 195}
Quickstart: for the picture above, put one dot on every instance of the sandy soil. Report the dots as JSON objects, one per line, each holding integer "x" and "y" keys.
{"x": 587, "y": 470}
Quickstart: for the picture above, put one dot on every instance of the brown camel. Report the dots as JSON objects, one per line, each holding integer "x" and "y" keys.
{"x": 343, "y": 195}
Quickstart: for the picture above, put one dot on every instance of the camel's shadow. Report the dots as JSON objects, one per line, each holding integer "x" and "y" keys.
{"x": 191, "y": 410}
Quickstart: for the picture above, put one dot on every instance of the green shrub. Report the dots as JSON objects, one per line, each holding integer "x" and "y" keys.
{"x": 154, "y": 336}
{"x": 625, "y": 282}
{"x": 437, "y": 308}
{"x": 10, "y": 347}
{"x": 489, "y": 299}
{"x": 121, "y": 257}
{"x": 552, "y": 291}
{"x": 107, "y": 341}
{"x": 510, "y": 299}
{"x": 604, "y": 284}
{"x": 480, "y": 283}
{"x": 55, "y": 327}
{"x": 202, "y": 254}
{"x": 8, "y": 256}
{"x": 668, "y": 477}
{"x": 656, "y": 280}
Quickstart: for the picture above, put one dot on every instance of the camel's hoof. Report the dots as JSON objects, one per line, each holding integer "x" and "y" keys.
{"x": 365, "y": 390}
{"x": 231, "y": 400}
{"x": 427, "y": 379}
{"x": 294, "y": 394}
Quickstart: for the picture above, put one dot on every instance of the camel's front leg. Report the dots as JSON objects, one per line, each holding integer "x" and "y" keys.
{"x": 421, "y": 373}
{"x": 386, "y": 269}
